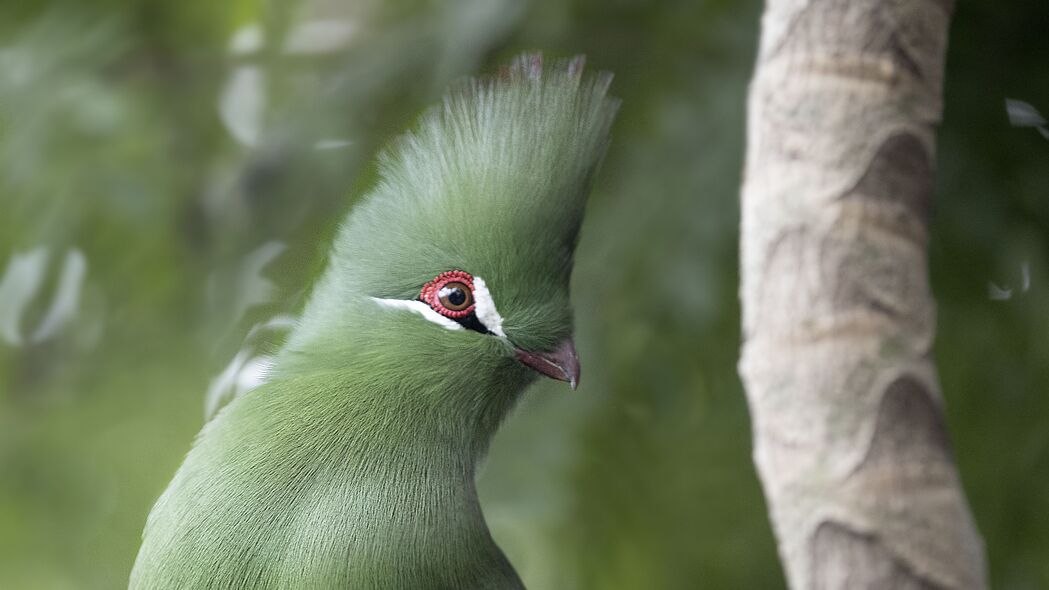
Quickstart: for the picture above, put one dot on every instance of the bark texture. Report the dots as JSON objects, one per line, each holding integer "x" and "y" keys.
{"x": 849, "y": 435}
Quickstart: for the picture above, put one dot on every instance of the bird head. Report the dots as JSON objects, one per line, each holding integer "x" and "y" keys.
{"x": 457, "y": 263}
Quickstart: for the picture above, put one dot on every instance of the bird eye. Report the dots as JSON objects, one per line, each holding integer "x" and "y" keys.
{"x": 455, "y": 296}
{"x": 450, "y": 294}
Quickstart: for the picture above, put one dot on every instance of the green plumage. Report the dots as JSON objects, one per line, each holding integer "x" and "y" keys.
{"x": 353, "y": 466}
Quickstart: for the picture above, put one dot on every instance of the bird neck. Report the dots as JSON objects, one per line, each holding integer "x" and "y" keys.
{"x": 357, "y": 458}
{"x": 385, "y": 474}
{"x": 322, "y": 480}
{"x": 408, "y": 453}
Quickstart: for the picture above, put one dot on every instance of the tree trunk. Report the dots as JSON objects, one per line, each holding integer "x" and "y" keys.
{"x": 849, "y": 434}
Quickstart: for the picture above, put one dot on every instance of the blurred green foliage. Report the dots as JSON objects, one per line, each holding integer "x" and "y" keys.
{"x": 169, "y": 142}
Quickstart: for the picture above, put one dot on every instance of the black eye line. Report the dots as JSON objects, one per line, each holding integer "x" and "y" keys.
{"x": 470, "y": 322}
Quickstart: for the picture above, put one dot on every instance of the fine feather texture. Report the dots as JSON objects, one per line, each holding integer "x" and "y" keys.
{"x": 353, "y": 467}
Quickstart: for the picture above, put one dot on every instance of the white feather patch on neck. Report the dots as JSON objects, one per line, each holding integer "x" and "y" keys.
{"x": 485, "y": 310}
{"x": 420, "y": 308}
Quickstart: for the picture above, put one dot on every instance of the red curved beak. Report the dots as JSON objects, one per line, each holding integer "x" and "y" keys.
{"x": 561, "y": 364}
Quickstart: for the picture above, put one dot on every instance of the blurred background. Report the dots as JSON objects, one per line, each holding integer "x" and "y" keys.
{"x": 172, "y": 172}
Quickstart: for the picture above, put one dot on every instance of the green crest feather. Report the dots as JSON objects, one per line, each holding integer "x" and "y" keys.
{"x": 493, "y": 181}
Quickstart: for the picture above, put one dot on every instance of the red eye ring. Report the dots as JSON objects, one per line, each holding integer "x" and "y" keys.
{"x": 431, "y": 293}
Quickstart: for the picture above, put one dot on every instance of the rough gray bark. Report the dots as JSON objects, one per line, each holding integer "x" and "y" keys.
{"x": 849, "y": 435}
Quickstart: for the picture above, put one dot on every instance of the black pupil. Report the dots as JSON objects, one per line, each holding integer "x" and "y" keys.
{"x": 457, "y": 296}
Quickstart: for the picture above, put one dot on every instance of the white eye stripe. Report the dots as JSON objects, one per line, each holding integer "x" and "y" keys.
{"x": 420, "y": 308}
{"x": 484, "y": 309}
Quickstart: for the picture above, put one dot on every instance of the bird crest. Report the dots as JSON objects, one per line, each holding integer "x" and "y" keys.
{"x": 492, "y": 181}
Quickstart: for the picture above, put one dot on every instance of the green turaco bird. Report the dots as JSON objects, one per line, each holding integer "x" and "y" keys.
{"x": 446, "y": 294}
